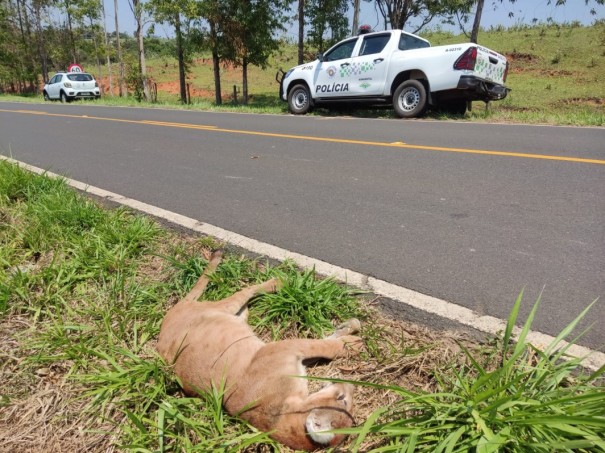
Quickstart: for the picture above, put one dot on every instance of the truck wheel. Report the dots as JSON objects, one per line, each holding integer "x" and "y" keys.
{"x": 299, "y": 100}
{"x": 410, "y": 100}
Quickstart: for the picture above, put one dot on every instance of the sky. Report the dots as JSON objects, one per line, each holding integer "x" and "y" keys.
{"x": 524, "y": 11}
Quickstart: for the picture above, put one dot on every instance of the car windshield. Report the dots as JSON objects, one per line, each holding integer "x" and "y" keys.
{"x": 79, "y": 77}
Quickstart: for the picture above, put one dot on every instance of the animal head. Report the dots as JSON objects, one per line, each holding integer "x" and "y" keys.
{"x": 336, "y": 414}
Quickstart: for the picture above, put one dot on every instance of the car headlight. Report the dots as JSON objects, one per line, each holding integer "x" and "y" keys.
{"x": 288, "y": 73}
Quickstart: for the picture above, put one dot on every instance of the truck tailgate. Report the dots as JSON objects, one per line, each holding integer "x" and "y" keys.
{"x": 490, "y": 65}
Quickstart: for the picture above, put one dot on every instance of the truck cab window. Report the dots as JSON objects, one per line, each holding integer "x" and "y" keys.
{"x": 343, "y": 50}
{"x": 408, "y": 42}
{"x": 374, "y": 44}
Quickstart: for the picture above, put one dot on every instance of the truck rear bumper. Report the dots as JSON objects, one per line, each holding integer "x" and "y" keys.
{"x": 478, "y": 89}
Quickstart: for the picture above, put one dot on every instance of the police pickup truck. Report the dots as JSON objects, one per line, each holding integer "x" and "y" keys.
{"x": 400, "y": 69}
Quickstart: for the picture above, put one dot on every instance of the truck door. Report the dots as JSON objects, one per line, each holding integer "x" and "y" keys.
{"x": 332, "y": 79}
{"x": 369, "y": 68}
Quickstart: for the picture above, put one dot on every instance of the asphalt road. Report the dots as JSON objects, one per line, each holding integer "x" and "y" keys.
{"x": 469, "y": 213}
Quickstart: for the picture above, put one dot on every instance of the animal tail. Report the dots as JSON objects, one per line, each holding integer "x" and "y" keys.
{"x": 200, "y": 286}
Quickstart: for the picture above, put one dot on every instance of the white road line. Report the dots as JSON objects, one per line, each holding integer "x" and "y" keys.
{"x": 593, "y": 360}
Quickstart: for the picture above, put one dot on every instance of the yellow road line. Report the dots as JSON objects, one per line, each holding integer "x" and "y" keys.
{"x": 399, "y": 145}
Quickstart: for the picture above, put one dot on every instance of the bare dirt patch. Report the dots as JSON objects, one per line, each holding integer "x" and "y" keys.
{"x": 595, "y": 102}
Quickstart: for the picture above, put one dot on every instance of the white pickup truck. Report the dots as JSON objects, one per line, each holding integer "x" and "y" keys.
{"x": 400, "y": 69}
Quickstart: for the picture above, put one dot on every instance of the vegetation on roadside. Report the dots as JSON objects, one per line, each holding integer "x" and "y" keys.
{"x": 556, "y": 76}
{"x": 83, "y": 290}
{"x": 518, "y": 398}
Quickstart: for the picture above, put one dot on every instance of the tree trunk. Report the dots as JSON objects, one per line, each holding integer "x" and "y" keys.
{"x": 41, "y": 43}
{"x": 355, "y": 17}
{"x": 107, "y": 49}
{"x": 245, "y": 80}
{"x": 141, "y": 47}
{"x": 94, "y": 40}
{"x": 301, "y": 31}
{"x": 72, "y": 39}
{"x": 181, "y": 58}
{"x": 477, "y": 22}
{"x": 119, "y": 47}
{"x": 30, "y": 62}
{"x": 216, "y": 62}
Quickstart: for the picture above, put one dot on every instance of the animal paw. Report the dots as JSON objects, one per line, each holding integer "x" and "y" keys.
{"x": 353, "y": 344}
{"x": 349, "y": 327}
{"x": 273, "y": 285}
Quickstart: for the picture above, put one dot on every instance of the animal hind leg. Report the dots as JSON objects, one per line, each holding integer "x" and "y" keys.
{"x": 237, "y": 303}
{"x": 200, "y": 286}
{"x": 289, "y": 354}
{"x": 287, "y": 358}
{"x": 349, "y": 327}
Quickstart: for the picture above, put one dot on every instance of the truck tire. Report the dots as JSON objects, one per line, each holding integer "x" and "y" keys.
{"x": 410, "y": 99}
{"x": 299, "y": 100}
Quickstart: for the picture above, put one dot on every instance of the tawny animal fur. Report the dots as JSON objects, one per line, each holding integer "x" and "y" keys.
{"x": 211, "y": 344}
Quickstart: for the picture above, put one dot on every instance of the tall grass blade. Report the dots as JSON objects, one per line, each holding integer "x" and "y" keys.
{"x": 512, "y": 321}
{"x": 567, "y": 331}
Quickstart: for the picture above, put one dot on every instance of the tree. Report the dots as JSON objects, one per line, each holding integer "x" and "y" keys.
{"x": 176, "y": 13}
{"x": 397, "y": 13}
{"x": 355, "y": 26}
{"x": 328, "y": 22}
{"x": 107, "y": 47}
{"x": 41, "y": 43}
{"x": 301, "y": 31}
{"x": 251, "y": 27}
{"x": 26, "y": 59}
{"x": 137, "y": 9}
{"x": 119, "y": 50}
{"x": 211, "y": 11}
{"x": 477, "y": 21}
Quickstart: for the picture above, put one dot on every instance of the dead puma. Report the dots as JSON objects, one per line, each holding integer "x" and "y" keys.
{"x": 211, "y": 343}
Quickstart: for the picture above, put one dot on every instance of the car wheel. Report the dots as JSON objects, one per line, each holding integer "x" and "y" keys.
{"x": 410, "y": 100}
{"x": 64, "y": 97}
{"x": 46, "y": 96}
{"x": 299, "y": 100}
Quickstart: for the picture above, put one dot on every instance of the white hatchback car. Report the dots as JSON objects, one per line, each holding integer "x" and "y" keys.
{"x": 67, "y": 86}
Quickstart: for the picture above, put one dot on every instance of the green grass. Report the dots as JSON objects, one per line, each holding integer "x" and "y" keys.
{"x": 517, "y": 399}
{"x": 83, "y": 291}
{"x": 74, "y": 272}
